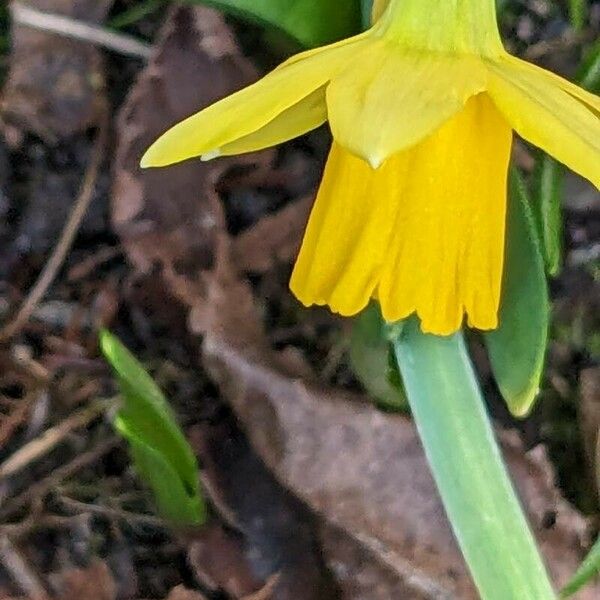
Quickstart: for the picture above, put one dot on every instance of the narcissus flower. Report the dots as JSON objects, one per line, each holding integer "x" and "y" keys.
{"x": 411, "y": 209}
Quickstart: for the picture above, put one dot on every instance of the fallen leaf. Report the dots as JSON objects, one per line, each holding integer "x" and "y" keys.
{"x": 267, "y": 592}
{"x": 361, "y": 575}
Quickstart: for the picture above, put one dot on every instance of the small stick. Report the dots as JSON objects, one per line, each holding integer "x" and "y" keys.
{"x": 20, "y": 570}
{"x": 40, "y": 489}
{"x": 49, "y": 439}
{"x": 33, "y": 524}
{"x": 113, "y": 513}
{"x": 14, "y": 419}
{"x": 67, "y": 27}
{"x": 67, "y": 237}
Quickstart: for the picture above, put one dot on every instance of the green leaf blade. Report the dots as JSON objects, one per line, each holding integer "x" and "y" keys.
{"x": 550, "y": 176}
{"x": 146, "y": 420}
{"x": 517, "y": 349}
{"x": 173, "y": 500}
{"x": 589, "y": 72}
{"x": 310, "y": 23}
{"x": 370, "y": 360}
{"x": 578, "y": 14}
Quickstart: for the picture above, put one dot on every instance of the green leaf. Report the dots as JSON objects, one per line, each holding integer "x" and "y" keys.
{"x": 370, "y": 360}
{"x": 578, "y": 13}
{"x": 589, "y": 73}
{"x": 549, "y": 178}
{"x": 466, "y": 463}
{"x": 136, "y": 13}
{"x": 147, "y": 422}
{"x": 311, "y": 23}
{"x": 173, "y": 500}
{"x": 589, "y": 568}
{"x": 518, "y": 347}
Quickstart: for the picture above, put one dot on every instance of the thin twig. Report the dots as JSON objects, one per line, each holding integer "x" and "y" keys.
{"x": 33, "y": 524}
{"x": 65, "y": 26}
{"x": 21, "y": 570}
{"x": 14, "y": 419}
{"x": 43, "y": 444}
{"x": 67, "y": 235}
{"x": 112, "y": 513}
{"x": 40, "y": 489}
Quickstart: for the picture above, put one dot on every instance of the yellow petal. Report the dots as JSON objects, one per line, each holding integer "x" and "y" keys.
{"x": 449, "y": 242}
{"x": 255, "y": 107}
{"x": 300, "y": 118}
{"x": 388, "y": 100}
{"x": 348, "y": 234}
{"x": 423, "y": 233}
{"x": 550, "y": 112}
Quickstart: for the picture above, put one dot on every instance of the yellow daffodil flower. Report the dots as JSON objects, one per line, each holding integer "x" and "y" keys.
{"x": 411, "y": 209}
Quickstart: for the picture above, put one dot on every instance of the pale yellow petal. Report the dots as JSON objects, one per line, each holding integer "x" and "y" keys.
{"x": 549, "y": 112}
{"x": 388, "y": 100}
{"x": 449, "y": 233}
{"x": 348, "y": 234}
{"x": 300, "y": 118}
{"x": 592, "y": 100}
{"x": 253, "y": 107}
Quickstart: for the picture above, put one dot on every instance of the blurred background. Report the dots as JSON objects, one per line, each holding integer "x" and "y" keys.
{"x": 315, "y": 488}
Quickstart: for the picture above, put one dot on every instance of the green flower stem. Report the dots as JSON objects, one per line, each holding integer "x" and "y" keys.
{"x": 467, "y": 466}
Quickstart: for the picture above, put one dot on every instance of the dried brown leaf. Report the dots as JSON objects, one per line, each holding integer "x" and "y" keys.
{"x": 173, "y": 218}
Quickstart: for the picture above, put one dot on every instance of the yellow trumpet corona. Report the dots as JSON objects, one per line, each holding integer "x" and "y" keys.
{"x": 422, "y": 107}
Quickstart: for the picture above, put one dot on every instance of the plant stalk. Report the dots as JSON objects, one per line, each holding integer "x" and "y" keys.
{"x": 467, "y": 465}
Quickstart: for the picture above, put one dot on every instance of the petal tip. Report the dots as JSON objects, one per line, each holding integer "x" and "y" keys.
{"x": 146, "y": 160}
{"x": 153, "y": 157}
{"x": 210, "y": 155}
{"x": 375, "y": 163}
